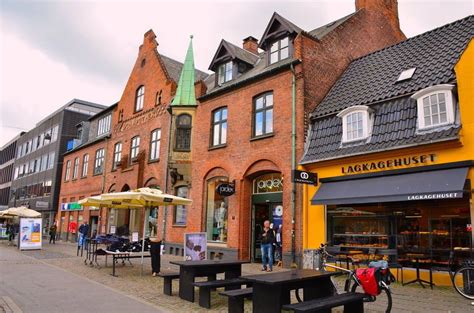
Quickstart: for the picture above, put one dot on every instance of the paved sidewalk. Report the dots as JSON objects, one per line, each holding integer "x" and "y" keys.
{"x": 30, "y": 285}
{"x": 410, "y": 298}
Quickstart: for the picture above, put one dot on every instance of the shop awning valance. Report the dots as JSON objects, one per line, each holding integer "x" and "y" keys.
{"x": 429, "y": 185}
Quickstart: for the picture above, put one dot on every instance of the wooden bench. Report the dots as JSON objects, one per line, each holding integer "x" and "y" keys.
{"x": 236, "y": 299}
{"x": 352, "y": 302}
{"x": 205, "y": 288}
{"x": 168, "y": 282}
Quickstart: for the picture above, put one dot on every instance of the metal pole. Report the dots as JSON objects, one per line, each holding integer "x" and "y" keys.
{"x": 293, "y": 165}
{"x": 143, "y": 238}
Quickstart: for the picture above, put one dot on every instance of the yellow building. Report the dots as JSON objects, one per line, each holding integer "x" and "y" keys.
{"x": 392, "y": 145}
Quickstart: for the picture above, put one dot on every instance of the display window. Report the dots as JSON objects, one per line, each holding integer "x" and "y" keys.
{"x": 217, "y": 206}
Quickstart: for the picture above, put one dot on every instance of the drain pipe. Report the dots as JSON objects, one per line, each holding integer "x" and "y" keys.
{"x": 293, "y": 165}
{"x": 168, "y": 158}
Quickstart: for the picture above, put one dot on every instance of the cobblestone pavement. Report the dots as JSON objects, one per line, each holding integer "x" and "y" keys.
{"x": 410, "y": 298}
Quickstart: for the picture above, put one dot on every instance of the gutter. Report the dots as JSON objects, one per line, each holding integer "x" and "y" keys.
{"x": 165, "y": 213}
{"x": 293, "y": 165}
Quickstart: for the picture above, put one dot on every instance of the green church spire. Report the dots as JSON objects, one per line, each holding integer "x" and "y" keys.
{"x": 185, "y": 93}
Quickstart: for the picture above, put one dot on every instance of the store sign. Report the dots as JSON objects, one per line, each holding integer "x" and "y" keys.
{"x": 434, "y": 196}
{"x": 268, "y": 183}
{"x": 303, "y": 177}
{"x": 30, "y": 233}
{"x": 389, "y": 164}
{"x": 71, "y": 206}
{"x": 225, "y": 189}
{"x": 42, "y": 204}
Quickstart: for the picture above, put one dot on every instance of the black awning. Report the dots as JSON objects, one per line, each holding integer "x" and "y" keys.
{"x": 439, "y": 184}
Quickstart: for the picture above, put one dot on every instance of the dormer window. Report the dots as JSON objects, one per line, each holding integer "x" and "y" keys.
{"x": 279, "y": 50}
{"x": 435, "y": 106}
{"x": 224, "y": 72}
{"x": 357, "y": 123}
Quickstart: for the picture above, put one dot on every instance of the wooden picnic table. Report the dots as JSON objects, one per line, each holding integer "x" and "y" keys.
{"x": 124, "y": 256}
{"x": 272, "y": 290}
{"x": 189, "y": 270}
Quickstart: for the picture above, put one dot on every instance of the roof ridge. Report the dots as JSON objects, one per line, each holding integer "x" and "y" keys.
{"x": 414, "y": 37}
{"x": 240, "y": 48}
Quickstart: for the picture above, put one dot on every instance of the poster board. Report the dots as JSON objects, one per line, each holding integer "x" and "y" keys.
{"x": 30, "y": 233}
{"x": 195, "y": 246}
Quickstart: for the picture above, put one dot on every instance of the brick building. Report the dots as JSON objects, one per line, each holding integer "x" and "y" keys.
{"x": 244, "y": 132}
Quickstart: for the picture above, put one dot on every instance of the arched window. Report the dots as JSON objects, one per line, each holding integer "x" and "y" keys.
{"x": 357, "y": 123}
{"x": 134, "y": 148}
{"x": 179, "y": 217}
{"x": 183, "y": 132}
{"x": 219, "y": 127}
{"x": 435, "y": 106}
{"x": 139, "y": 97}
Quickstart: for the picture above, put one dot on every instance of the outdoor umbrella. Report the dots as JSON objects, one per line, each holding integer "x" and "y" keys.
{"x": 20, "y": 212}
{"x": 137, "y": 198}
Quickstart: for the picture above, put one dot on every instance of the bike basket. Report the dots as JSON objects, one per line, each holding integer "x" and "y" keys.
{"x": 369, "y": 280}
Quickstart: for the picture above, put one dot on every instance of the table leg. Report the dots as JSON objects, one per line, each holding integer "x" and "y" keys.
{"x": 231, "y": 273}
{"x": 268, "y": 299}
{"x": 113, "y": 266}
{"x": 186, "y": 288}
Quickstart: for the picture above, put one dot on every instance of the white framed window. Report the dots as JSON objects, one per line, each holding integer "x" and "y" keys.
{"x": 44, "y": 162}
{"x": 224, "y": 72}
{"x": 50, "y": 160}
{"x": 54, "y": 133}
{"x": 85, "y": 165}
{"x": 75, "y": 170}
{"x": 357, "y": 123}
{"x": 68, "y": 170}
{"x": 117, "y": 154}
{"x": 279, "y": 50}
{"x": 155, "y": 144}
{"x": 135, "y": 147}
{"x": 99, "y": 161}
{"x": 219, "y": 127}
{"x": 435, "y": 106}
{"x": 104, "y": 125}
{"x": 139, "y": 97}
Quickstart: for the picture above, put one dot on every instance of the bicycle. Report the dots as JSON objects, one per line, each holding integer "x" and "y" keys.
{"x": 463, "y": 279}
{"x": 352, "y": 282}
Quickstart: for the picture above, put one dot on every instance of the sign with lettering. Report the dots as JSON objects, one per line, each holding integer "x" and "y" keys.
{"x": 225, "y": 189}
{"x": 303, "y": 177}
{"x": 139, "y": 119}
{"x": 434, "y": 196}
{"x": 389, "y": 164}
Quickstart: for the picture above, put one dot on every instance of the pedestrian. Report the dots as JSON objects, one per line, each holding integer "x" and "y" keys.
{"x": 155, "y": 252}
{"x": 52, "y": 233}
{"x": 267, "y": 238}
{"x": 83, "y": 232}
{"x": 278, "y": 246}
{"x": 10, "y": 233}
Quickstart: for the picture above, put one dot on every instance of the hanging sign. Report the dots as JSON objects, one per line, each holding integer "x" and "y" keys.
{"x": 303, "y": 177}
{"x": 225, "y": 189}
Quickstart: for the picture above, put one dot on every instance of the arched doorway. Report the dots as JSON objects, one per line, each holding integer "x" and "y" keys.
{"x": 267, "y": 199}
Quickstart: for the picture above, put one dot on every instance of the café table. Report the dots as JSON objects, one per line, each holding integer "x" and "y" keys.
{"x": 417, "y": 257}
{"x": 189, "y": 270}
{"x": 272, "y": 290}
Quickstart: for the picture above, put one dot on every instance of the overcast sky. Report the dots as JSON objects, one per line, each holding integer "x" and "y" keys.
{"x": 54, "y": 51}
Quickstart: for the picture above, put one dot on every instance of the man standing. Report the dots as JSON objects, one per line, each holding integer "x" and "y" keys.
{"x": 267, "y": 239}
{"x": 83, "y": 232}
{"x": 52, "y": 233}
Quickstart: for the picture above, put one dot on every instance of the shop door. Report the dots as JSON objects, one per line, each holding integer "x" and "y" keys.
{"x": 94, "y": 220}
{"x": 261, "y": 213}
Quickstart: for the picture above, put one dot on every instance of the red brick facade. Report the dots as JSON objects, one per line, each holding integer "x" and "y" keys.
{"x": 319, "y": 63}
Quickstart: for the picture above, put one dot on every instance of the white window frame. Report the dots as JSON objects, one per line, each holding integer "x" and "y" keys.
{"x": 117, "y": 155}
{"x": 276, "y": 48}
{"x": 155, "y": 142}
{"x": 367, "y": 122}
{"x": 68, "y": 170}
{"x": 134, "y": 147}
{"x": 139, "y": 98}
{"x": 75, "y": 169}
{"x": 222, "y": 72}
{"x": 85, "y": 165}
{"x": 104, "y": 125}
{"x": 99, "y": 161}
{"x": 445, "y": 89}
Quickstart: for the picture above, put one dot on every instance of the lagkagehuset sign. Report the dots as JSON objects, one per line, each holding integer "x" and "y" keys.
{"x": 389, "y": 164}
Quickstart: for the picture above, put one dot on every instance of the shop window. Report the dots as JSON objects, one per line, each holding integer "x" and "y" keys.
{"x": 267, "y": 183}
{"x": 180, "y": 210}
{"x": 183, "y": 132}
{"x": 435, "y": 106}
{"x": 219, "y": 127}
{"x": 357, "y": 123}
{"x": 263, "y": 115}
{"x": 216, "y": 215}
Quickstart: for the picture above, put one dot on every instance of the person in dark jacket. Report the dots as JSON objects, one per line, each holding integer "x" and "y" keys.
{"x": 83, "y": 232}
{"x": 267, "y": 237}
{"x": 52, "y": 233}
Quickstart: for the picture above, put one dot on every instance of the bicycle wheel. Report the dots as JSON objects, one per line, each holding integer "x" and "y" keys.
{"x": 463, "y": 282}
{"x": 385, "y": 294}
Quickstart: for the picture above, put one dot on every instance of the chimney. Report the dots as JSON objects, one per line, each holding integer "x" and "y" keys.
{"x": 387, "y": 8}
{"x": 250, "y": 44}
